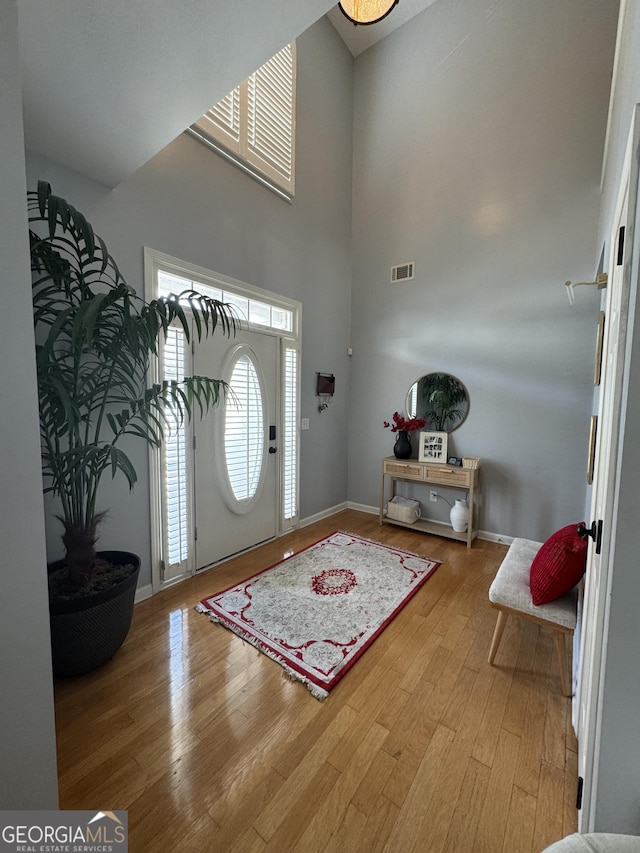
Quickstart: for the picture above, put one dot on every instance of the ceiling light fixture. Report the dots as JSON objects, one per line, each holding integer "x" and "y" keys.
{"x": 366, "y": 11}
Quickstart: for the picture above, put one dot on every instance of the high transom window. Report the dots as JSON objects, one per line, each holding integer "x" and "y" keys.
{"x": 254, "y": 125}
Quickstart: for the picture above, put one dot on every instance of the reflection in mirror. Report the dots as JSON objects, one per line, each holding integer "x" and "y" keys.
{"x": 441, "y": 399}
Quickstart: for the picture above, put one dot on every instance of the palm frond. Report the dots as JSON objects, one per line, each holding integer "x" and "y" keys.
{"x": 95, "y": 337}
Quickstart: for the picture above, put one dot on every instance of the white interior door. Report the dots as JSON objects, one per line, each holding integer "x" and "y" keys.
{"x": 236, "y": 460}
{"x": 594, "y": 613}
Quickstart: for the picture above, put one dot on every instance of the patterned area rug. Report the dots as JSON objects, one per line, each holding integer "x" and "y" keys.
{"x": 316, "y": 612}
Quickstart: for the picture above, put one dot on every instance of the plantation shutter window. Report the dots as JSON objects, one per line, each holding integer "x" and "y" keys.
{"x": 256, "y": 122}
{"x": 224, "y": 118}
{"x": 176, "y": 503}
{"x": 270, "y": 117}
{"x": 290, "y": 444}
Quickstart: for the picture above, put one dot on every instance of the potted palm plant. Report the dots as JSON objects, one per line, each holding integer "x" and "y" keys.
{"x": 94, "y": 341}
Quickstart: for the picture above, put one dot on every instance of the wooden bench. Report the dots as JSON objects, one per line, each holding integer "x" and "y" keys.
{"x": 510, "y": 595}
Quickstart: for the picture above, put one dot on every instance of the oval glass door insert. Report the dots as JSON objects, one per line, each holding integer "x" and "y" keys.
{"x": 244, "y": 429}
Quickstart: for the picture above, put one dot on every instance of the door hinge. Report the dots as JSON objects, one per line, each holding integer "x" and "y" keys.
{"x": 620, "y": 245}
{"x": 163, "y": 569}
{"x": 193, "y": 346}
{"x": 195, "y": 534}
{"x": 194, "y": 442}
{"x": 579, "y": 793}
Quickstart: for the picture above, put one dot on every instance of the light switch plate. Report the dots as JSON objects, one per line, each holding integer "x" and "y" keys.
{"x": 304, "y": 424}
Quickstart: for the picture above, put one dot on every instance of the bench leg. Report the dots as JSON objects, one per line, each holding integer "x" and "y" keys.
{"x": 497, "y": 634}
{"x": 561, "y": 649}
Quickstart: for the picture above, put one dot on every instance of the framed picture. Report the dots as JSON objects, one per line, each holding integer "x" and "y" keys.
{"x": 599, "y": 340}
{"x": 433, "y": 447}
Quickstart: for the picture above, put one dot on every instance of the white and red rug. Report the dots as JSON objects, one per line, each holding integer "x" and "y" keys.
{"x": 316, "y": 612}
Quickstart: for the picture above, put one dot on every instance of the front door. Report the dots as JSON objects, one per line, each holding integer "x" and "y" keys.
{"x": 236, "y": 459}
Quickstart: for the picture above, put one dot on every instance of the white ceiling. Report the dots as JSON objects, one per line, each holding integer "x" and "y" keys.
{"x": 358, "y": 39}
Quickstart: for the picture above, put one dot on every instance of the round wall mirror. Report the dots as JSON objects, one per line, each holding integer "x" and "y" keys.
{"x": 441, "y": 399}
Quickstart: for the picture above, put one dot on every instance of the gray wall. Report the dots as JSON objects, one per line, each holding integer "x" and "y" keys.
{"x": 192, "y": 204}
{"x": 478, "y": 140}
{"x": 618, "y": 772}
{"x": 27, "y": 734}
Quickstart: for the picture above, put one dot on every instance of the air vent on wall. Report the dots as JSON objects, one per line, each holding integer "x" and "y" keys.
{"x": 403, "y": 272}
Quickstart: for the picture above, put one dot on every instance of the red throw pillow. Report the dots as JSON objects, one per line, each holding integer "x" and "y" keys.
{"x": 558, "y": 565}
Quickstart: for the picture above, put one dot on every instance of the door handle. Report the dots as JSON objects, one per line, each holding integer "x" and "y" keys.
{"x": 273, "y": 450}
{"x": 595, "y": 532}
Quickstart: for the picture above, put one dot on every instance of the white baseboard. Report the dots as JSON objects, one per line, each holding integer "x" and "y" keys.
{"x": 143, "y": 592}
{"x": 372, "y": 510}
{"x": 495, "y": 537}
{"x": 325, "y": 513}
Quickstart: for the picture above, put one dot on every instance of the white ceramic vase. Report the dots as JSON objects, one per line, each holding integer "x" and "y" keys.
{"x": 460, "y": 516}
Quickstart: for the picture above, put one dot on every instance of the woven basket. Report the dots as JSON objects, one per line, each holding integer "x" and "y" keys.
{"x": 403, "y": 509}
{"x": 470, "y": 461}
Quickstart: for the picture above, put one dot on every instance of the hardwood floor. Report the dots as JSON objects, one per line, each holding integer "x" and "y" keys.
{"x": 422, "y": 746}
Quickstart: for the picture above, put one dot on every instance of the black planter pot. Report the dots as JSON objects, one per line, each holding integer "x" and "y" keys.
{"x": 87, "y": 632}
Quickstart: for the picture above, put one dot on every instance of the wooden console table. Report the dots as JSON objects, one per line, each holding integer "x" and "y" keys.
{"x": 432, "y": 474}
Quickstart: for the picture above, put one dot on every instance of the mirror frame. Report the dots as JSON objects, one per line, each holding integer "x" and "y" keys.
{"x": 430, "y": 425}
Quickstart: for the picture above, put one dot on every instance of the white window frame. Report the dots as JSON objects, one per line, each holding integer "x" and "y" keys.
{"x": 254, "y": 126}
{"x": 156, "y": 262}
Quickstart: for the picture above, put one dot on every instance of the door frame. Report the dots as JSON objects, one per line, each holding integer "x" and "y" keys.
{"x": 289, "y": 344}
{"x": 591, "y": 694}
